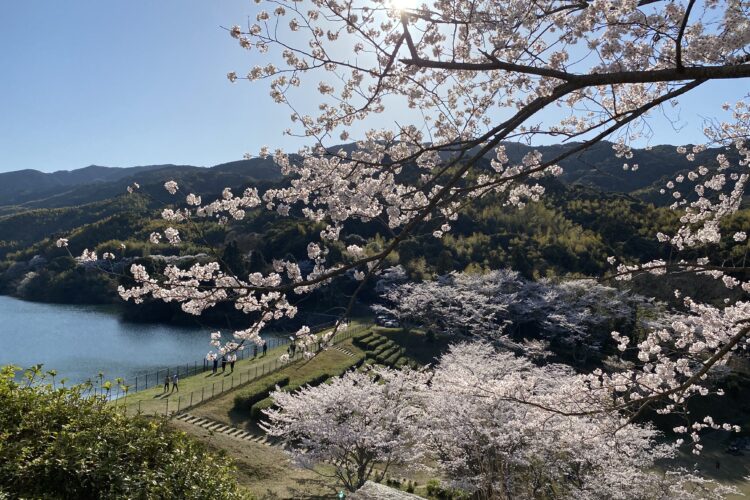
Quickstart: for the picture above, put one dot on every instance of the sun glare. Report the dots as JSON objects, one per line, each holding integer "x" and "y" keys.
{"x": 404, "y": 4}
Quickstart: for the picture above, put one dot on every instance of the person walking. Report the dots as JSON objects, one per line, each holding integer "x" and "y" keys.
{"x": 166, "y": 383}
{"x": 216, "y": 365}
{"x": 265, "y": 348}
{"x": 223, "y": 364}
{"x": 175, "y": 381}
{"x": 255, "y": 351}
{"x": 232, "y": 361}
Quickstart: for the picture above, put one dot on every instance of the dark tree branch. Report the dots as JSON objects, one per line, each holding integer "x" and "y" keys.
{"x": 678, "y": 42}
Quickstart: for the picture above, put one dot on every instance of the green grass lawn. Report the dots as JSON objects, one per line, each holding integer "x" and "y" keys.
{"x": 416, "y": 344}
{"x": 264, "y": 471}
{"x": 204, "y": 385}
{"x": 224, "y": 409}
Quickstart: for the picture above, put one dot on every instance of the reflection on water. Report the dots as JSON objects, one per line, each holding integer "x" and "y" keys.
{"x": 81, "y": 341}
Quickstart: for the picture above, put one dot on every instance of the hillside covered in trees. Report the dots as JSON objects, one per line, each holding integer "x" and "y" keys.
{"x": 594, "y": 210}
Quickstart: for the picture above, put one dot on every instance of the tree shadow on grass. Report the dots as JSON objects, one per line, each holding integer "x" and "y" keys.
{"x": 302, "y": 489}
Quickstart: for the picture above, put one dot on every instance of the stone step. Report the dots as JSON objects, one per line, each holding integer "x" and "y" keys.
{"x": 230, "y": 431}
{"x": 345, "y": 351}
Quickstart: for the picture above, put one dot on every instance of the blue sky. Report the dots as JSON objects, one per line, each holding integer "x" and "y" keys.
{"x": 139, "y": 82}
{"x": 125, "y": 83}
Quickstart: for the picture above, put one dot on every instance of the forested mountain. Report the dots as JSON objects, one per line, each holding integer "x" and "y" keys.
{"x": 594, "y": 210}
{"x": 30, "y": 189}
{"x": 598, "y": 167}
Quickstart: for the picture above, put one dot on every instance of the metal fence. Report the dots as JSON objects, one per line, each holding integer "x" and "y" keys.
{"x": 147, "y": 380}
{"x": 237, "y": 378}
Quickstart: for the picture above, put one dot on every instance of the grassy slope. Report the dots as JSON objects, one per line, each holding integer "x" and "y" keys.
{"x": 155, "y": 401}
{"x": 223, "y": 409}
{"x": 265, "y": 471}
{"x": 416, "y": 345}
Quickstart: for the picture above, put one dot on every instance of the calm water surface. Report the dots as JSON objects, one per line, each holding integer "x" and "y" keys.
{"x": 81, "y": 341}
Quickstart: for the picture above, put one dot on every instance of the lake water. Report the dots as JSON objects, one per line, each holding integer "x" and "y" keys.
{"x": 81, "y": 341}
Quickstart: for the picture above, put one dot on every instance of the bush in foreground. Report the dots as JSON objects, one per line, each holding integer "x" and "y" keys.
{"x": 64, "y": 442}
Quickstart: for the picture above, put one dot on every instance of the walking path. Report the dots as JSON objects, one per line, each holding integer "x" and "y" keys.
{"x": 203, "y": 386}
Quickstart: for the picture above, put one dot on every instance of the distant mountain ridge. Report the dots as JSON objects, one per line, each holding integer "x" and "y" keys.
{"x": 29, "y": 189}
{"x": 597, "y": 167}
{"x": 21, "y": 183}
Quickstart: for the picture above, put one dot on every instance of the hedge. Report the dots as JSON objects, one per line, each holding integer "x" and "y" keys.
{"x": 312, "y": 382}
{"x": 380, "y": 340}
{"x": 259, "y": 390}
{"x": 256, "y": 411}
{"x": 387, "y": 346}
{"x": 390, "y": 361}
{"x": 382, "y": 356}
{"x": 267, "y": 402}
{"x": 363, "y": 341}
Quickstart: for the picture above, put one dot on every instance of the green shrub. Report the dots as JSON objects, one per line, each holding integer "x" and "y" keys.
{"x": 391, "y": 360}
{"x": 256, "y": 411}
{"x": 62, "y": 442}
{"x": 259, "y": 390}
{"x": 387, "y": 353}
{"x": 380, "y": 340}
{"x": 311, "y": 382}
{"x": 291, "y": 387}
{"x": 318, "y": 380}
{"x": 363, "y": 341}
{"x": 386, "y": 346}
{"x": 437, "y": 491}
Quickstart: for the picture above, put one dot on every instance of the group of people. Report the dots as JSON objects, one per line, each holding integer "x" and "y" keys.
{"x": 255, "y": 349}
{"x": 231, "y": 359}
{"x": 175, "y": 379}
{"x": 227, "y": 358}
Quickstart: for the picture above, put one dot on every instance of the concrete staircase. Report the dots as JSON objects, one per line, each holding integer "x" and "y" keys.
{"x": 228, "y": 430}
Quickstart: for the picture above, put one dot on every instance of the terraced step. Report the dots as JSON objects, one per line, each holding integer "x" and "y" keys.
{"x": 345, "y": 351}
{"x": 228, "y": 430}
